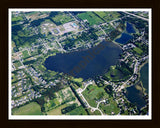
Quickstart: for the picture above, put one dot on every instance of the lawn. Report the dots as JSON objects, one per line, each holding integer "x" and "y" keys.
{"x": 62, "y": 18}
{"x": 55, "y": 31}
{"x": 109, "y": 108}
{"x": 96, "y": 112}
{"x": 101, "y": 14}
{"x": 107, "y": 28}
{"x": 91, "y": 17}
{"x": 30, "y": 109}
{"x": 17, "y": 64}
{"x": 51, "y": 104}
{"x": 78, "y": 79}
{"x": 114, "y": 74}
{"x": 99, "y": 33}
{"x": 108, "y": 16}
{"x": 66, "y": 95}
{"x": 78, "y": 111}
{"x": 56, "y": 111}
{"x": 138, "y": 50}
{"x": 94, "y": 93}
{"x": 32, "y": 13}
{"x": 61, "y": 28}
{"x": 66, "y": 99}
{"x": 25, "y": 54}
{"x": 14, "y": 78}
{"x": 18, "y": 18}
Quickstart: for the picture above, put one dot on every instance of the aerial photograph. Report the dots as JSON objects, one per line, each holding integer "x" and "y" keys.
{"x": 79, "y": 63}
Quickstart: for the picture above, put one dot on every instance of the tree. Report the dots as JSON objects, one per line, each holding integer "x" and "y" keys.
{"x": 40, "y": 101}
{"x": 49, "y": 33}
{"x": 39, "y": 51}
{"x": 109, "y": 89}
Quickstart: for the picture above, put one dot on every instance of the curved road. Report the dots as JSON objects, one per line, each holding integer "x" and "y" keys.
{"x": 92, "y": 108}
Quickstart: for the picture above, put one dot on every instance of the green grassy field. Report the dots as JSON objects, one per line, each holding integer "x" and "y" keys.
{"x": 17, "y": 64}
{"x": 109, "y": 108}
{"x": 51, "y": 104}
{"x": 78, "y": 79}
{"x": 101, "y": 14}
{"x": 114, "y": 74}
{"x": 138, "y": 50}
{"x": 64, "y": 97}
{"x": 107, "y": 28}
{"x": 108, "y": 16}
{"x": 62, "y": 18}
{"x": 14, "y": 78}
{"x": 55, "y": 31}
{"x": 30, "y": 109}
{"x": 96, "y": 112}
{"x": 25, "y": 54}
{"x": 94, "y": 93}
{"x": 99, "y": 33}
{"x": 56, "y": 111}
{"x": 78, "y": 111}
{"x": 91, "y": 17}
{"x": 32, "y": 13}
{"x": 18, "y": 18}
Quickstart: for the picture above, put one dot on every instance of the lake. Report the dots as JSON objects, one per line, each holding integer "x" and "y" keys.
{"x": 144, "y": 76}
{"x": 124, "y": 38}
{"x": 130, "y": 28}
{"x": 85, "y": 63}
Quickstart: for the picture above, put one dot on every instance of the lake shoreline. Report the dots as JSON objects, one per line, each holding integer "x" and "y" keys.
{"x": 140, "y": 67}
{"x": 96, "y": 60}
{"x": 141, "y": 88}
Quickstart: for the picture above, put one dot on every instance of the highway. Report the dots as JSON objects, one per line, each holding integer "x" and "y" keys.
{"x": 136, "y": 16}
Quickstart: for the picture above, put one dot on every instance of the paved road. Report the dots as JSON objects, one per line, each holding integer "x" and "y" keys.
{"x": 86, "y": 86}
{"x": 60, "y": 45}
{"x": 135, "y": 72}
{"x": 137, "y": 16}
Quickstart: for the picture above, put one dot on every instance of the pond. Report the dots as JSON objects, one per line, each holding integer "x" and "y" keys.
{"x": 85, "y": 63}
{"x": 135, "y": 96}
{"x": 124, "y": 38}
{"x": 144, "y": 76}
{"x": 130, "y": 28}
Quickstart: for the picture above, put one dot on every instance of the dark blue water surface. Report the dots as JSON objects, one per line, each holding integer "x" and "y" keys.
{"x": 130, "y": 28}
{"x": 86, "y": 63}
{"x": 124, "y": 38}
{"x": 136, "y": 97}
{"x": 144, "y": 76}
